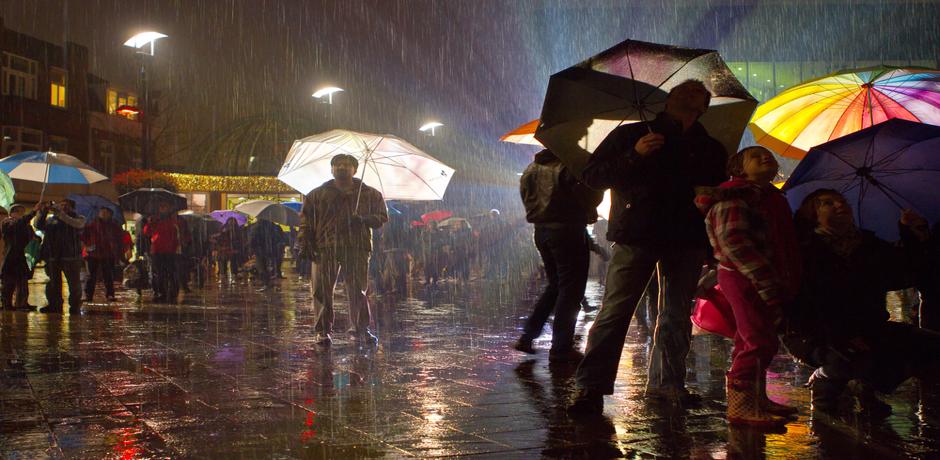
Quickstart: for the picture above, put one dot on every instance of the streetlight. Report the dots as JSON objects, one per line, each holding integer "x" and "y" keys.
{"x": 430, "y": 126}
{"x": 139, "y": 42}
{"x": 328, "y": 93}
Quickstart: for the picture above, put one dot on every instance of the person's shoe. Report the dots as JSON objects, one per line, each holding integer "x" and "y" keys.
{"x": 825, "y": 392}
{"x": 323, "y": 339}
{"x": 524, "y": 345}
{"x": 586, "y": 306}
{"x": 586, "y": 403}
{"x": 112, "y": 298}
{"x": 565, "y": 356}
{"x": 744, "y": 405}
{"x": 672, "y": 395}
{"x": 367, "y": 337}
{"x": 48, "y": 309}
{"x": 75, "y": 310}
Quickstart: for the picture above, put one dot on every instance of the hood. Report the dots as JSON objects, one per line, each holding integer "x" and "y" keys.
{"x": 545, "y": 157}
{"x": 734, "y": 189}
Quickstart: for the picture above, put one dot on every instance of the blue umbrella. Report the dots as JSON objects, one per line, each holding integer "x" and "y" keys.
{"x": 294, "y": 205}
{"x": 880, "y": 170}
{"x": 88, "y": 206}
{"x": 62, "y": 173}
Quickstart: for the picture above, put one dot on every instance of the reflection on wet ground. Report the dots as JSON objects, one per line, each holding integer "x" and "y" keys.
{"x": 231, "y": 373}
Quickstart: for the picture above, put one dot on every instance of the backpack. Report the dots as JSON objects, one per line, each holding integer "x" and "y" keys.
{"x": 538, "y": 185}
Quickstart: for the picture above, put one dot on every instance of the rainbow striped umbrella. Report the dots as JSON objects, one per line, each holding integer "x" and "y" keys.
{"x": 844, "y": 102}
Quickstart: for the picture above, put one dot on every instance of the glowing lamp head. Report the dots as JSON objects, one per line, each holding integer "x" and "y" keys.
{"x": 143, "y": 39}
{"x": 127, "y": 111}
{"x": 430, "y": 127}
{"x": 327, "y": 92}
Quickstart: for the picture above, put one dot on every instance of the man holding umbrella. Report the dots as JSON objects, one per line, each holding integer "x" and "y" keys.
{"x": 652, "y": 169}
{"x": 62, "y": 251}
{"x": 336, "y": 233}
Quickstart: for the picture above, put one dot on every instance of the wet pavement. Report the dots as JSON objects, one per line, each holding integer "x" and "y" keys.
{"x": 232, "y": 373}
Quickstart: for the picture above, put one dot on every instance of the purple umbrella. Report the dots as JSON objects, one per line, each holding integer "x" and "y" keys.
{"x": 224, "y": 215}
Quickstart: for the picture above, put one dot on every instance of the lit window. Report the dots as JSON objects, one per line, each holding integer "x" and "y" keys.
{"x": 117, "y": 99}
{"x": 57, "y": 79}
{"x": 19, "y": 76}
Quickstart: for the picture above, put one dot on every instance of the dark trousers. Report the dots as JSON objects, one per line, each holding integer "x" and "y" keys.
{"x": 14, "y": 285}
{"x": 228, "y": 264}
{"x": 165, "y": 278}
{"x": 263, "y": 263}
{"x": 72, "y": 269}
{"x": 106, "y": 266}
{"x": 354, "y": 264}
{"x": 629, "y": 272}
{"x": 566, "y": 258}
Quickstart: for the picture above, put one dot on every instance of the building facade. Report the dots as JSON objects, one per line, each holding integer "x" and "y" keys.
{"x": 50, "y": 101}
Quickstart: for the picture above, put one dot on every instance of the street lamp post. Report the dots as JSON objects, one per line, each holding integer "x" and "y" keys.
{"x": 327, "y": 92}
{"x": 430, "y": 127}
{"x": 140, "y": 42}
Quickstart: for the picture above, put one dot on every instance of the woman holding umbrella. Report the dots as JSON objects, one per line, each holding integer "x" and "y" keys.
{"x": 228, "y": 243}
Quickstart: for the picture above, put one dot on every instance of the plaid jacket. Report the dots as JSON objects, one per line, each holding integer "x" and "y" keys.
{"x": 740, "y": 220}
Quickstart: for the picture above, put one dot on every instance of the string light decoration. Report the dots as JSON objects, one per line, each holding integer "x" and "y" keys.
{"x": 228, "y": 184}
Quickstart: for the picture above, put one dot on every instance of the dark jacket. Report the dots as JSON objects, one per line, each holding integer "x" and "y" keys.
{"x": 266, "y": 238}
{"x": 552, "y": 195}
{"x": 17, "y": 233}
{"x": 652, "y": 195}
{"x": 326, "y": 221}
{"x": 843, "y": 297}
{"x": 61, "y": 236}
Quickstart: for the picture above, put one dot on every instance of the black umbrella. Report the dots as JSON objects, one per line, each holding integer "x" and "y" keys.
{"x": 629, "y": 83}
{"x": 147, "y": 201}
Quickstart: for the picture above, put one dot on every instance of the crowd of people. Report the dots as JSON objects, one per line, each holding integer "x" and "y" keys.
{"x": 685, "y": 211}
{"x": 685, "y": 217}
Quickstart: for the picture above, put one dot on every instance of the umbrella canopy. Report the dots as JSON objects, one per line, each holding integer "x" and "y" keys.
{"x": 294, "y": 205}
{"x": 881, "y": 170}
{"x": 147, "y": 201}
{"x": 224, "y": 215}
{"x": 49, "y": 175}
{"x": 89, "y": 205}
{"x": 842, "y": 103}
{"x": 629, "y": 83}
{"x": 6, "y": 191}
{"x": 523, "y": 134}
{"x": 394, "y": 167}
{"x": 270, "y": 210}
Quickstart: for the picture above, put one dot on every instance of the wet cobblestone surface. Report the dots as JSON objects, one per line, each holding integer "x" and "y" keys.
{"x": 232, "y": 373}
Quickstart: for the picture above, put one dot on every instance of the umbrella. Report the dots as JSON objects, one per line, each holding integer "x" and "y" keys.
{"x": 41, "y": 176}
{"x": 147, "y": 201}
{"x": 270, "y": 210}
{"x": 296, "y": 206}
{"x": 88, "y": 206}
{"x": 6, "y": 191}
{"x": 523, "y": 134}
{"x": 396, "y": 168}
{"x": 844, "y": 102}
{"x": 882, "y": 169}
{"x": 629, "y": 83}
{"x": 224, "y": 215}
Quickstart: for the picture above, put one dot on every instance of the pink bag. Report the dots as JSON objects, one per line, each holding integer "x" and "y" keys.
{"x": 712, "y": 313}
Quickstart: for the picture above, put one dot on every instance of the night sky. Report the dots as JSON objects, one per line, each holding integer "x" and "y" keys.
{"x": 478, "y": 66}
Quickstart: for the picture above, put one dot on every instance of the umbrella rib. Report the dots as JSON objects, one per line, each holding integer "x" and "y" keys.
{"x": 795, "y": 113}
{"x": 888, "y": 158}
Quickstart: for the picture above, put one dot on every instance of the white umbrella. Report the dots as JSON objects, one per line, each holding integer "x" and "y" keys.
{"x": 270, "y": 210}
{"x": 394, "y": 167}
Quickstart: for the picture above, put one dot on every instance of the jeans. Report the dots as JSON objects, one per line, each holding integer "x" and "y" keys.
{"x": 566, "y": 258}
{"x": 165, "y": 277}
{"x": 355, "y": 266}
{"x": 755, "y": 341}
{"x": 106, "y": 265}
{"x": 72, "y": 269}
{"x": 629, "y": 272}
